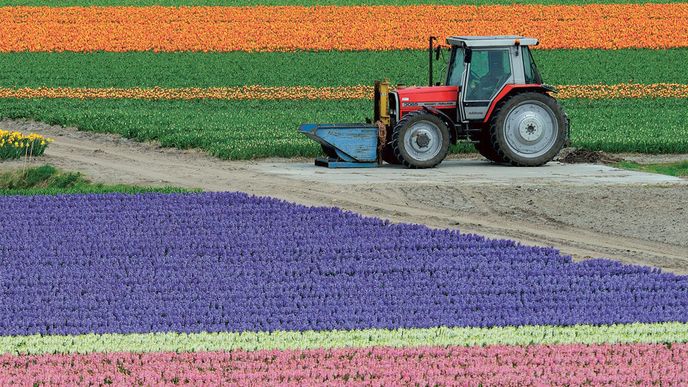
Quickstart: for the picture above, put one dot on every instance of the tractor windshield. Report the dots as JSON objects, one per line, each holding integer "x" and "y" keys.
{"x": 529, "y": 68}
{"x": 455, "y": 68}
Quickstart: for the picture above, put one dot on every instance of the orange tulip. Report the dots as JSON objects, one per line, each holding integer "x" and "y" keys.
{"x": 624, "y": 90}
{"x": 257, "y": 92}
{"x": 288, "y": 28}
{"x": 223, "y": 93}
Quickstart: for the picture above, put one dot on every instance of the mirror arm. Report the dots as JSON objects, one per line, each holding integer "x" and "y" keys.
{"x": 430, "y": 49}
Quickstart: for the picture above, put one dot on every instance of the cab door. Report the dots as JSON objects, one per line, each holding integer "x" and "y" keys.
{"x": 456, "y": 75}
{"x": 488, "y": 71}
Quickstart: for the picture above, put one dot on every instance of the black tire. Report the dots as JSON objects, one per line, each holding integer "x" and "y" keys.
{"x": 499, "y": 132}
{"x": 407, "y": 123}
{"x": 329, "y": 151}
{"x": 388, "y": 155}
{"x": 484, "y": 147}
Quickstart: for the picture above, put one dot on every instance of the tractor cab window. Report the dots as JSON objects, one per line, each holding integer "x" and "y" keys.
{"x": 530, "y": 70}
{"x": 489, "y": 71}
{"x": 455, "y": 68}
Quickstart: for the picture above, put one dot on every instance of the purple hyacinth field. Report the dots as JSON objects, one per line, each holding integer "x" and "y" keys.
{"x": 232, "y": 289}
{"x": 214, "y": 262}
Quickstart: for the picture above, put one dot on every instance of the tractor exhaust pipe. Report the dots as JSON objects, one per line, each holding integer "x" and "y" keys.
{"x": 430, "y": 49}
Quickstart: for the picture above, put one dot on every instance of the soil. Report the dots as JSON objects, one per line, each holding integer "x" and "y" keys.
{"x": 586, "y": 211}
{"x": 575, "y": 156}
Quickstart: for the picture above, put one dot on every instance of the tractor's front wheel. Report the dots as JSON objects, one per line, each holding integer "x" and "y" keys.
{"x": 528, "y": 129}
{"x": 420, "y": 140}
{"x": 388, "y": 155}
{"x": 388, "y": 151}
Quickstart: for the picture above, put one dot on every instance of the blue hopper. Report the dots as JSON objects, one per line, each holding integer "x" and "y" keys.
{"x": 345, "y": 145}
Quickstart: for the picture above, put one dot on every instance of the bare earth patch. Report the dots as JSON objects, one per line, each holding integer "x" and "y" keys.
{"x": 576, "y": 156}
{"x": 586, "y": 210}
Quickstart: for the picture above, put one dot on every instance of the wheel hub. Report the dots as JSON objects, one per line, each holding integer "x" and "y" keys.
{"x": 422, "y": 139}
{"x": 530, "y": 128}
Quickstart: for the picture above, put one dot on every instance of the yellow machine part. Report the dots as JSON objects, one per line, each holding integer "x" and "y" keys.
{"x": 382, "y": 102}
{"x": 382, "y": 119}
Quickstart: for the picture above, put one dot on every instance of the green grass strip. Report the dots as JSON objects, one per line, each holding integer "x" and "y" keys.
{"x": 671, "y": 332}
{"x": 193, "y": 69}
{"x": 48, "y": 180}
{"x": 92, "y": 189}
{"x": 236, "y": 3}
{"x": 679, "y": 169}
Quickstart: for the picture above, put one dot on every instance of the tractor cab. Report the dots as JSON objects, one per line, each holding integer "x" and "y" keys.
{"x": 493, "y": 96}
{"x": 481, "y": 67}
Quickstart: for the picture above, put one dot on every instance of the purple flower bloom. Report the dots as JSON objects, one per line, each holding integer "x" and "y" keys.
{"x": 232, "y": 262}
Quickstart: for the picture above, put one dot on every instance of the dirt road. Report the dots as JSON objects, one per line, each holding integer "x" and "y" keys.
{"x": 584, "y": 210}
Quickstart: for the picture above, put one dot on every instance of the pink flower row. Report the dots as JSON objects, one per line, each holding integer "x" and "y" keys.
{"x": 533, "y": 365}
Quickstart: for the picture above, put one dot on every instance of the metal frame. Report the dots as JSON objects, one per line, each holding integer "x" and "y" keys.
{"x": 491, "y": 41}
{"x": 398, "y": 106}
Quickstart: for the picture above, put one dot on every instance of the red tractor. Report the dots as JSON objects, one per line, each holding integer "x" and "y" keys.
{"x": 493, "y": 96}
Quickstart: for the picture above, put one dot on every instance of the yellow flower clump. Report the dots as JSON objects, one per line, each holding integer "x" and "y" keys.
{"x": 14, "y": 145}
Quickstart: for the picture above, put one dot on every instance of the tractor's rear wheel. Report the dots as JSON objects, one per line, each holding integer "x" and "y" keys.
{"x": 528, "y": 129}
{"x": 420, "y": 140}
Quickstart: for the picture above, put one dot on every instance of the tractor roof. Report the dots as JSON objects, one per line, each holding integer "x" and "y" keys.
{"x": 490, "y": 41}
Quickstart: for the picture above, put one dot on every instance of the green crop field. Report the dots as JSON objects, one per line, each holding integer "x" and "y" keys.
{"x": 325, "y": 68}
{"x": 251, "y": 129}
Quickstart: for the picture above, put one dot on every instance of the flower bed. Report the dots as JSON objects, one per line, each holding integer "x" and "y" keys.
{"x": 495, "y": 365}
{"x": 230, "y": 262}
{"x": 294, "y": 28}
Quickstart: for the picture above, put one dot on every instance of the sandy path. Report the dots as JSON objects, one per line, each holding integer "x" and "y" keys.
{"x": 584, "y": 210}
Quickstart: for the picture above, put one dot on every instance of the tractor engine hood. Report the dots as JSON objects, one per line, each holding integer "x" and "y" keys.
{"x": 440, "y": 97}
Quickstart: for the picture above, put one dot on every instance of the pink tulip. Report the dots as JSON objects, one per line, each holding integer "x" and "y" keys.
{"x": 505, "y": 365}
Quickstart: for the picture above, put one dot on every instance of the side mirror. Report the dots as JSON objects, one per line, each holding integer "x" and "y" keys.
{"x": 468, "y": 55}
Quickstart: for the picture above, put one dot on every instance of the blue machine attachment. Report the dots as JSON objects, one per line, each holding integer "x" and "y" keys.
{"x": 346, "y": 145}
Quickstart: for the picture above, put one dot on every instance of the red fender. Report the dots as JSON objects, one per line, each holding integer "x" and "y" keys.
{"x": 508, "y": 89}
